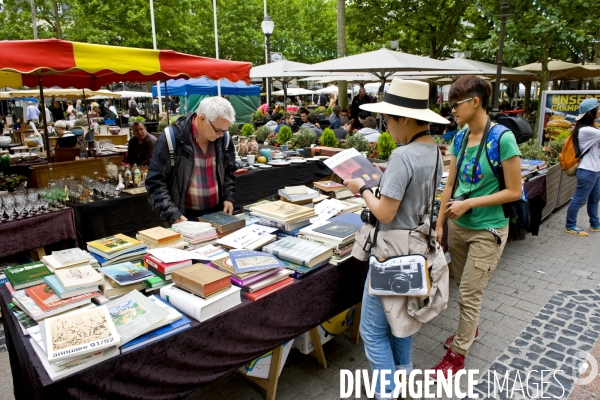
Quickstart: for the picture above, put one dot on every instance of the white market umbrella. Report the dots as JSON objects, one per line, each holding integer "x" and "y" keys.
{"x": 350, "y": 77}
{"x": 333, "y": 89}
{"x": 382, "y": 63}
{"x": 66, "y": 93}
{"x": 294, "y": 92}
{"x": 489, "y": 70}
{"x": 281, "y": 71}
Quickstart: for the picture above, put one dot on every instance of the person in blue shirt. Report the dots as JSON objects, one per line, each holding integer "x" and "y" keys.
{"x": 334, "y": 118}
{"x": 451, "y": 131}
{"x": 288, "y": 120}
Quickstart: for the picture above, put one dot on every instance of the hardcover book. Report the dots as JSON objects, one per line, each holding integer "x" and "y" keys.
{"x": 223, "y": 222}
{"x": 328, "y": 186}
{"x": 201, "y": 279}
{"x": 283, "y": 211}
{"x": 112, "y": 246}
{"x": 268, "y": 281}
{"x": 133, "y": 315}
{"x": 338, "y": 229}
{"x": 78, "y": 277}
{"x": 164, "y": 267}
{"x": 260, "y": 294}
{"x": 298, "y": 251}
{"x": 242, "y": 279}
{"x": 47, "y": 300}
{"x": 126, "y": 273}
{"x": 26, "y": 275}
{"x": 159, "y": 235}
{"x": 79, "y": 332}
{"x": 197, "y": 307}
{"x": 250, "y": 261}
{"x": 350, "y": 164}
{"x": 166, "y": 277}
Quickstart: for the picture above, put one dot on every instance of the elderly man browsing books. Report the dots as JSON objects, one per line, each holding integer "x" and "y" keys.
{"x": 191, "y": 171}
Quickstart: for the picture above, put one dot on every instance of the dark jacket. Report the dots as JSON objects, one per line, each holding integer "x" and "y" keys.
{"x": 140, "y": 153}
{"x": 167, "y": 187}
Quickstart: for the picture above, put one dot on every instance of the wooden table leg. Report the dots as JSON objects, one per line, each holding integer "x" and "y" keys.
{"x": 270, "y": 384}
{"x": 319, "y": 353}
{"x": 37, "y": 253}
{"x": 354, "y": 329}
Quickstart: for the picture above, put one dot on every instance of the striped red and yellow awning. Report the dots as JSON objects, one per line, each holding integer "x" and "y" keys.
{"x": 83, "y": 65}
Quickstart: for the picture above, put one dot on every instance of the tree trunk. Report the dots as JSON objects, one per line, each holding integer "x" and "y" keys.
{"x": 527, "y": 95}
{"x": 597, "y": 49}
{"x": 57, "y": 21}
{"x": 543, "y": 84}
{"x": 341, "y": 49}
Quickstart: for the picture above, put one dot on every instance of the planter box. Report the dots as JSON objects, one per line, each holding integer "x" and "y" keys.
{"x": 552, "y": 189}
{"x": 325, "y": 151}
{"x": 567, "y": 188}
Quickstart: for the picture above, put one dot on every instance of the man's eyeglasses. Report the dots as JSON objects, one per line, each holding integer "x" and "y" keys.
{"x": 453, "y": 106}
{"x": 217, "y": 131}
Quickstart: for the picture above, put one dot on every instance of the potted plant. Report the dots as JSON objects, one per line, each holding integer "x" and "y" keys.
{"x": 285, "y": 135}
{"x": 304, "y": 138}
{"x": 356, "y": 141}
{"x": 262, "y": 133}
{"x": 385, "y": 146}
{"x": 247, "y": 130}
{"x": 328, "y": 138}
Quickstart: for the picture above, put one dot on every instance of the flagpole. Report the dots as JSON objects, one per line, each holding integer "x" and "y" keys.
{"x": 154, "y": 46}
{"x": 216, "y": 43}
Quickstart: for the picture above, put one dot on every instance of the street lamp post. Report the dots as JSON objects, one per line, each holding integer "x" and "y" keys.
{"x": 503, "y": 15}
{"x": 267, "y": 27}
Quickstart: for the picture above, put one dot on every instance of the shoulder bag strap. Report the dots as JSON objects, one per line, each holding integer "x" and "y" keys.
{"x": 433, "y": 189}
{"x": 171, "y": 144}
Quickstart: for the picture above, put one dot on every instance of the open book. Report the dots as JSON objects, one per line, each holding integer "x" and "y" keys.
{"x": 350, "y": 164}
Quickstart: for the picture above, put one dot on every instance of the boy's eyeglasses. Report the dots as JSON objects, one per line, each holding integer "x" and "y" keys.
{"x": 455, "y": 105}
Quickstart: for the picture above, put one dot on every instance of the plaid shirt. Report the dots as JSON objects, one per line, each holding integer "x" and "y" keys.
{"x": 203, "y": 192}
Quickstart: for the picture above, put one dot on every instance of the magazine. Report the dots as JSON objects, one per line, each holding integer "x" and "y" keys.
{"x": 350, "y": 164}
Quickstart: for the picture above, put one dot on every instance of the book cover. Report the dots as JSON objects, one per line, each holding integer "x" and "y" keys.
{"x": 78, "y": 277}
{"x": 328, "y": 186}
{"x": 70, "y": 256}
{"x": 113, "y": 244}
{"x": 250, "y": 261}
{"x": 164, "y": 267}
{"x": 298, "y": 251}
{"x": 245, "y": 236}
{"x": 337, "y": 229}
{"x": 126, "y": 273}
{"x": 159, "y": 235}
{"x": 133, "y": 255}
{"x": 192, "y": 228}
{"x": 25, "y": 275}
{"x": 223, "y": 222}
{"x": 158, "y": 334}
{"x": 45, "y": 298}
{"x": 283, "y": 211}
{"x": 350, "y": 164}
{"x": 54, "y": 283}
{"x": 349, "y": 218}
{"x": 79, "y": 332}
{"x": 260, "y": 294}
{"x": 133, "y": 315}
{"x": 201, "y": 279}
{"x": 197, "y": 307}
{"x": 155, "y": 281}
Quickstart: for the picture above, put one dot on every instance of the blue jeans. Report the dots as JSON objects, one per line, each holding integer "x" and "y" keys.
{"x": 384, "y": 351}
{"x": 588, "y": 188}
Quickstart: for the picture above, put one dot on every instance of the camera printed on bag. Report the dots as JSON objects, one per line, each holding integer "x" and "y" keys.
{"x": 402, "y": 275}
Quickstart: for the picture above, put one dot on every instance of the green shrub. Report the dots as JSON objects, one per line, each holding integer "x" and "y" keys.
{"x": 531, "y": 150}
{"x": 385, "y": 146}
{"x": 259, "y": 115}
{"x": 139, "y": 118}
{"x": 262, "y": 133}
{"x": 247, "y": 130}
{"x": 161, "y": 126}
{"x": 234, "y": 129}
{"x": 304, "y": 138}
{"x": 551, "y": 151}
{"x": 285, "y": 135}
{"x": 356, "y": 141}
{"x": 328, "y": 138}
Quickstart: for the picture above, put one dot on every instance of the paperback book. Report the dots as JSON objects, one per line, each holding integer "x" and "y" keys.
{"x": 114, "y": 246}
{"x": 54, "y": 283}
{"x": 350, "y": 164}
{"x": 302, "y": 252}
{"x": 71, "y": 256}
{"x": 250, "y": 260}
{"x": 26, "y": 275}
{"x": 126, "y": 273}
{"x": 223, "y": 222}
{"x": 47, "y": 300}
{"x": 78, "y": 277}
{"x": 260, "y": 294}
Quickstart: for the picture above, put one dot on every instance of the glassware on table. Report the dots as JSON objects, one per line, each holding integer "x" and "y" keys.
{"x": 8, "y": 204}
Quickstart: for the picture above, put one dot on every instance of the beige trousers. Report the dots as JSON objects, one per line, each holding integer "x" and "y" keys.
{"x": 475, "y": 255}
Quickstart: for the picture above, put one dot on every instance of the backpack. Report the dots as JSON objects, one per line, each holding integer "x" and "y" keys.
{"x": 568, "y": 159}
{"x": 517, "y": 210}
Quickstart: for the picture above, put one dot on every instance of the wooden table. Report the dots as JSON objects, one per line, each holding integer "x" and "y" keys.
{"x": 121, "y": 138}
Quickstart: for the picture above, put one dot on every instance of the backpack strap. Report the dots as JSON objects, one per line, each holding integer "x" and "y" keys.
{"x": 226, "y": 140}
{"x": 458, "y": 140}
{"x": 492, "y": 148}
{"x": 171, "y": 143}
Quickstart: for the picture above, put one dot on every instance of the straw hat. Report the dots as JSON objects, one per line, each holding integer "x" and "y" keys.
{"x": 407, "y": 99}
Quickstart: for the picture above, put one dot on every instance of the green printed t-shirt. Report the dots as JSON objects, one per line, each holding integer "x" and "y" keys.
{"x": 485, "y": 183}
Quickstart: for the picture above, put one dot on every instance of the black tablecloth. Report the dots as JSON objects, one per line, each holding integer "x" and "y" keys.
{"x": 175, "y": 366}
{"x": 260, "y": 183}
{"x": 126, "y": 214}
{"x": 23, "y": 167}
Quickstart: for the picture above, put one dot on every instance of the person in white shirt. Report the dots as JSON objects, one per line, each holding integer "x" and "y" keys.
{"x": 33, "y": 113}
{"x": 112, "y": 108}
{"x": 369, "y": 131}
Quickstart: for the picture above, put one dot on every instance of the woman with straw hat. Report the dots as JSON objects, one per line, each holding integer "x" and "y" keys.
{"x": 406, "y": 191}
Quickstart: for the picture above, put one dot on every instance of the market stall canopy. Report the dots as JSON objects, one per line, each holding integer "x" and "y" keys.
{"x": 66, "y": 93}
{"x": 350, "y": 77}
{"x": 279, "y": 69}
{"x": 126, "y": 94}
{"x": 84, "y": 65}
{"x": 204, "y": 86}
{"x": 294, "y": 92}
{"x": 489, "y": 70}
{"x": 333, "y": 89}
{"x": 563, "y": 70}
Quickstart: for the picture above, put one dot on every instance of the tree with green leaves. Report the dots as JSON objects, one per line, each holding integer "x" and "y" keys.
{"x": 15, "y": 19}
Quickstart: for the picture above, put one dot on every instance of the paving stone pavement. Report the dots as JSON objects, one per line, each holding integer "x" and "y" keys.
{"x": 537, "y": 281}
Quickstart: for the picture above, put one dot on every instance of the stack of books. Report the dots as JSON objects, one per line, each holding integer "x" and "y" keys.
{"x": 116, "y": 249}
{"x": 223, "y": 222}
{"x": 256, "y": 284}
{"x": 71, "y": 282}
{"x": 196, "y": 234}
{"x": 76, "y": 340}
{"x": 161, "y": 237}
{"x": 337, "y": 232}
{"x": 74, "y": 257}
{"x": 301, "y": 195}
{"x": 333, "y": 189}
{"x": 303, "y": 256}
{"x": 120, "y": 279}
{"x": 201, "y": 280}
{"x": 162, "y": 269}
{"x": 283, "y": 216}
{"x": 198, "y": 308}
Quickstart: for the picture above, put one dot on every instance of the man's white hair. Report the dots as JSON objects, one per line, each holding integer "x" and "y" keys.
{"x": 216, "y": 107}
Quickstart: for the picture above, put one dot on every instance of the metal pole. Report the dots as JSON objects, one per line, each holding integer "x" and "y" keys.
{"x": 167, "y": 107}
{"x": 503, "y": 13}
{"x": 216, "y": 43}
{"x": 46, "y": 139}
{"x": 33, "y": 20}
{"x": 154, "y": 47}
{"x": 268, "y": 44}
